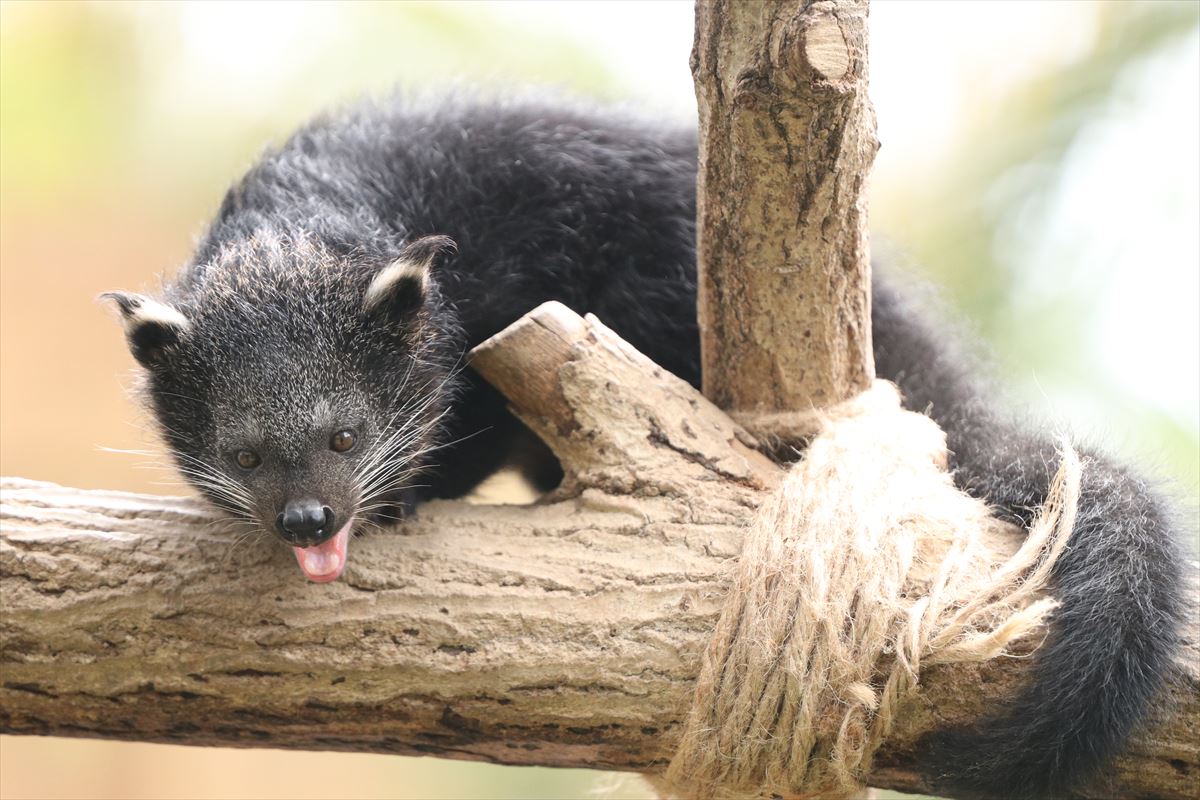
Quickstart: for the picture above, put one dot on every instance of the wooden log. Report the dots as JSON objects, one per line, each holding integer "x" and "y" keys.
{"x": 566, "y": 633}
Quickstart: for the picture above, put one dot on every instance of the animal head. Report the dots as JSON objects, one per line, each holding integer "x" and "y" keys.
{"x": 298, "y": 388}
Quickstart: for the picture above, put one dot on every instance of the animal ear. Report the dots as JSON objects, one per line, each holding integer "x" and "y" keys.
{"x": 401, "y": 287}
{"x": 151, "y": 328}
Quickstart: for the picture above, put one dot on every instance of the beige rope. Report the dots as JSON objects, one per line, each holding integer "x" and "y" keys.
{"x": 863, "y": 567}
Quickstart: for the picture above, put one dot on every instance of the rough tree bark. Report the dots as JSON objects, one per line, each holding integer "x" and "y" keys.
{"x": 565, "y": 634}
{"x": 787, "y": 137}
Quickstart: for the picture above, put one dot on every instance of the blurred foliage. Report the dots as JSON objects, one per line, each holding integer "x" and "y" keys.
{"x": 97, "y": 92}
{"x": 122, "y": 123}
{"x": 969, "y": 227}
{"x": 1011, "y": 155}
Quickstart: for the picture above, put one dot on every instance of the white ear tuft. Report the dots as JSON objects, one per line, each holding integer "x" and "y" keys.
{"x": 137, "y": 310}
{"x": 151, "y": 327}
{"x": 403, "y": 285}
{"x": 403, "y": 278}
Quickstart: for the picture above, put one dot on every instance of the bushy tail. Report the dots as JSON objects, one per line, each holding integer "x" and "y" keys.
{"x": 1119, "y": 584}
{"x": 1113, "y": 639}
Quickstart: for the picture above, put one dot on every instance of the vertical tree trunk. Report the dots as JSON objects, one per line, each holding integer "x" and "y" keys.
{"x": 787, "y": 137}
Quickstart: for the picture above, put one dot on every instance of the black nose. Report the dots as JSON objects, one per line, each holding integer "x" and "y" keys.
{"x": 305, "y": 522}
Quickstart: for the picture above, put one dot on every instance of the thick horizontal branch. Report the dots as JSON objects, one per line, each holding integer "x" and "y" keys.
{"x": 565, "y": 634}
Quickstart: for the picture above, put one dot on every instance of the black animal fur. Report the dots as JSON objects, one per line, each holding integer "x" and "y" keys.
{"x": 548, "y": 201}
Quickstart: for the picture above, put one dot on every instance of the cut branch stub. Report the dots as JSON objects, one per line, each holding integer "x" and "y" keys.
{"x": 786, "y": 128}
{"x": 612, "y": 416}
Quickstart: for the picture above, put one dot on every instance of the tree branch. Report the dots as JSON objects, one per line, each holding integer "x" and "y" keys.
{"x": 785, "y": 128}
{"x": 564, "y": 634}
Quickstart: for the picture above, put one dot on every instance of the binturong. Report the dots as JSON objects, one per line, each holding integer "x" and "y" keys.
{"x": 298, "y": 385}
{"x": 306, "y": 368}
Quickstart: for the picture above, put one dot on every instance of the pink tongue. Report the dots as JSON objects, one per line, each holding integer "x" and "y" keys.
{"x": 324, "y": 562}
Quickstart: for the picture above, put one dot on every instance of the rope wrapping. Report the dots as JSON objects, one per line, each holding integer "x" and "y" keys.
{"x": 863, "y": 567}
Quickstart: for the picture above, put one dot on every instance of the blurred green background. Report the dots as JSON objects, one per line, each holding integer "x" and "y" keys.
{"x": 1039, "y": 164}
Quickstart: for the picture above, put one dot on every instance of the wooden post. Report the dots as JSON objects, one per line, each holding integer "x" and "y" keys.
{"x": 787, "y": 137}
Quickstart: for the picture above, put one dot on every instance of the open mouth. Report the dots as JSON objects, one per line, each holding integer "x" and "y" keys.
{"x": 324, "y": 562}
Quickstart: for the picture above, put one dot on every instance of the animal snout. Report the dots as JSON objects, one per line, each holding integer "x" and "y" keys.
{"x": 306, "y": 522}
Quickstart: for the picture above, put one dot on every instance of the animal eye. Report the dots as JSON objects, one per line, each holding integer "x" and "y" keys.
{"x": 247, "y": 459}
{"x": 342, "y": 441}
